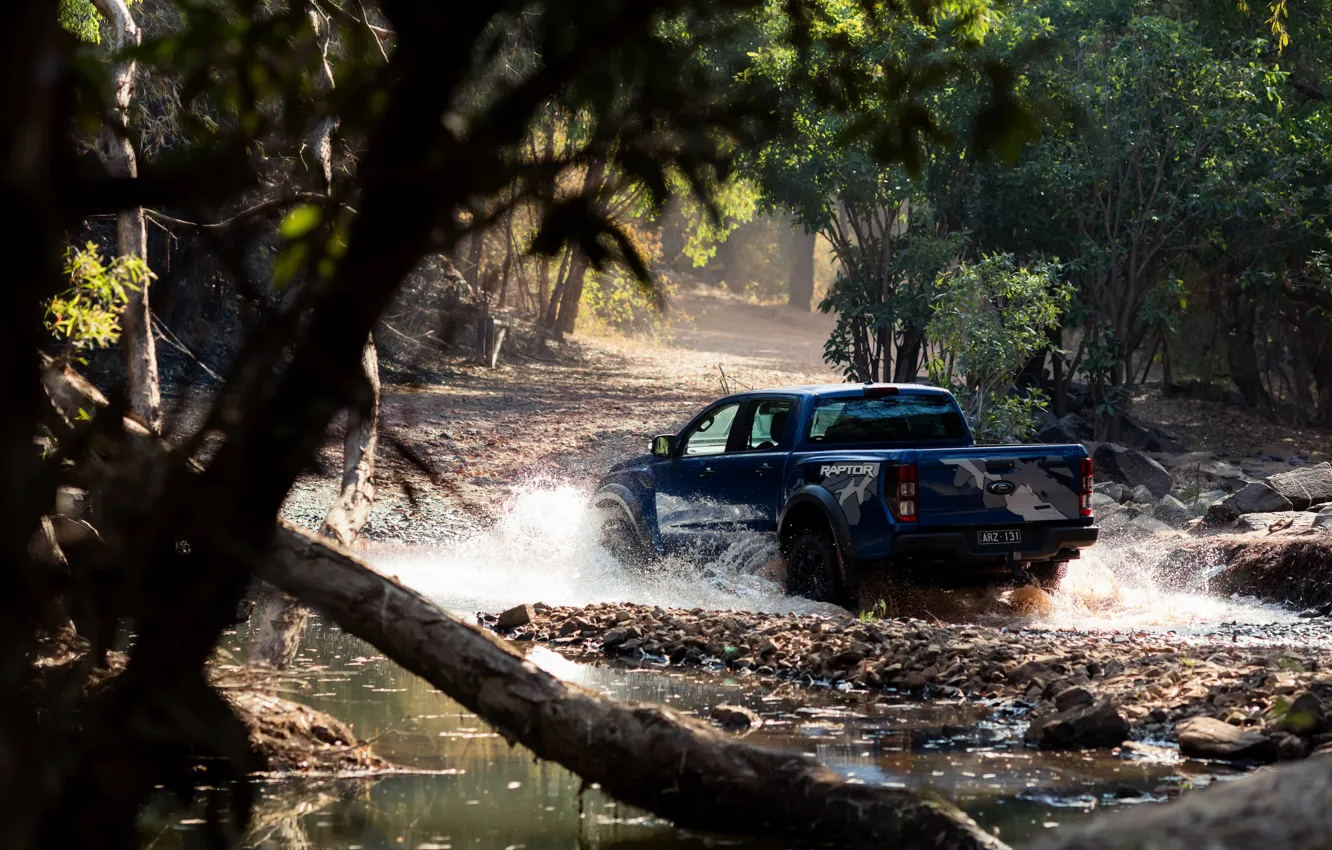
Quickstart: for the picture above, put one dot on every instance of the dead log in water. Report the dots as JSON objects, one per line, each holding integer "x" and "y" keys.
{"x": 1287, "y": 808}
{"x": 647, "y": 756}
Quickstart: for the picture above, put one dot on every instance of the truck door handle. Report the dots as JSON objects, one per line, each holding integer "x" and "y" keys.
{"x": 764, "y": 468}
{"x": 706, "y": 473}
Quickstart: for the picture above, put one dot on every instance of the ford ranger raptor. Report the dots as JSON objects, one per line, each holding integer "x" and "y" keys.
{"x": 854, "y": 479}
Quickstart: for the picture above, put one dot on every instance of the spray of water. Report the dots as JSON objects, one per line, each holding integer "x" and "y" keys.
{"x": 1128, "y": 584}
{"x": 545, "y": 549}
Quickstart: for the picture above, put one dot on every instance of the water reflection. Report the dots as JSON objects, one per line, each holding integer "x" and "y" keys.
{"x": 468, "y": 788}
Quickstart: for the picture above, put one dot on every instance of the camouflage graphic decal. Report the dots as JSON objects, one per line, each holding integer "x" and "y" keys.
{"x": 1038, "y": 493}
{"x": 852, "y": 484}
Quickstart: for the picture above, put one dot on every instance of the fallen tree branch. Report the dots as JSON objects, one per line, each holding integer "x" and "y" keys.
{"x": 647, "y": 756}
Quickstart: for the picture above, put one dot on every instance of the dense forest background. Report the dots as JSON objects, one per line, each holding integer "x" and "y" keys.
{"x": 1169, "y": 162}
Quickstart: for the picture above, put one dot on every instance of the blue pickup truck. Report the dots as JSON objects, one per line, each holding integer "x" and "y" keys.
{"x": 853, "y": 478}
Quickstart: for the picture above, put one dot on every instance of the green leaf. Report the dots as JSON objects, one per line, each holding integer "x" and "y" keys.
{"x": 301, "y": 220}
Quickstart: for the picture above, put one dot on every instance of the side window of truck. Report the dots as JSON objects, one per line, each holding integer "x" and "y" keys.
{"x": 768, "y": 424}
{"x": 709, "y": 436}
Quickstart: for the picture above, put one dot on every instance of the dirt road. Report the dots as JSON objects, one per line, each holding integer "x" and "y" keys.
{"x": 453, "y": 452}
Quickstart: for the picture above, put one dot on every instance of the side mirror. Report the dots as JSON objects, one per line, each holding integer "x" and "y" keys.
{"x": 663, "y": 445}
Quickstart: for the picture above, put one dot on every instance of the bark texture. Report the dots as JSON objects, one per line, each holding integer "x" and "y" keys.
{"x": 284, "y": 619}
{"x": 646, "y": 756}
{"x": 117, "y": 153}
{"x": 320, "y": 140}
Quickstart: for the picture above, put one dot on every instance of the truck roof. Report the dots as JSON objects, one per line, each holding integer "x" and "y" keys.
{"x": 846, "y": 390}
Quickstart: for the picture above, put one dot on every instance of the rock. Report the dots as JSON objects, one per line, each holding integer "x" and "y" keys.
{"x": 1059, "y": 433}
{"x": 1171, "y": 511}
{"x": 1073, "y": 698}
{"x": 1102, "y": 500}
{"x": 1306, "y": 487}
{"x": 1305, "y": 716}
{"x": 519, "y": 615}
{"x": 1132, "y": 468}
{"x": 1292, "y": 748}
{"x": 1145, "y": 524}
{"x": 1209, "y": 738}
{"x": 616, "y": 637}
{"x": 1208, "y": 498}
{"x": 1113, "y": 489}
{"x": 1293, "y": 521}
{"x": 1323, "y": 521}
{"x": 1082, "y": 727}
{"x": 735, "y": 717}
{"x": 1143, "y": 496}
{"x": 1253, "y": 498}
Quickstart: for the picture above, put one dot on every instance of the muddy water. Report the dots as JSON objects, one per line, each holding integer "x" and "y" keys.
{"x": 469, "y": 789}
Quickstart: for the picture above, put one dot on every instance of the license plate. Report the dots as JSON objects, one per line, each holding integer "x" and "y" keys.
{"x": 1007, "y": 535}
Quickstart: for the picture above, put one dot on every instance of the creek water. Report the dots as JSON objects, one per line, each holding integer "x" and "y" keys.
{"x": 464, "y": 787}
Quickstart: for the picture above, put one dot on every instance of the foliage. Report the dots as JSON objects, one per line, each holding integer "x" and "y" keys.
{"x": 80, "y": 19}
{"x": 989, "y": 318}
{"x": 87, "y": 314}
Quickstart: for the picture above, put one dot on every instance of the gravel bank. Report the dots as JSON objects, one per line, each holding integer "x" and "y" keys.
{"x": 1152, "y": 681}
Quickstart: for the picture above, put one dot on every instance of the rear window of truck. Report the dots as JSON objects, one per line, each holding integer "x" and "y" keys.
{"x": 887, "y": 419}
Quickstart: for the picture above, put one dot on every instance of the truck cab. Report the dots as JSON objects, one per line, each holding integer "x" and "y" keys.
{"x": 853, "y": 479}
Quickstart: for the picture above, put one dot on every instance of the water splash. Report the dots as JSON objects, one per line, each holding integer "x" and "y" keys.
{"x": 545, "y": 549}
{"x": 1142, "y": 585}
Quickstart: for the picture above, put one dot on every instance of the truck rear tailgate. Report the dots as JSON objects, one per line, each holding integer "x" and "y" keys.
{"x": 1000, "y": 485}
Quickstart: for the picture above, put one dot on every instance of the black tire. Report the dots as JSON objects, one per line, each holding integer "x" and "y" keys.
{"x": 1048, "y": 574}
{"x": 814, "y": 568}
{"x": 620, "y": 538}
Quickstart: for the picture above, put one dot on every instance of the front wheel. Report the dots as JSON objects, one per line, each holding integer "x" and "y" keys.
{"x": 813, "y": 568}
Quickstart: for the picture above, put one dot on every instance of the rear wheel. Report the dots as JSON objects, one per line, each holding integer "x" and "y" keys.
{"x": 813, "y": 567}
{"x": 1048, "y": 574}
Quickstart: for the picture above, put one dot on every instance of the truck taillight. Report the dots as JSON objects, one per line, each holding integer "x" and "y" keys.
{"x": 1086, "y": 493}
{"x": 903, "y": 502}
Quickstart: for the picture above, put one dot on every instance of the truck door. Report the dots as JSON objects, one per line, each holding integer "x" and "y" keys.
{"x": 749, "y": 475}
{"x": 687, "y": 508}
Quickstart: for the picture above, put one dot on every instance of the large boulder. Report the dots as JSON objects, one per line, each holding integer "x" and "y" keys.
{"x": 1070, "y": 429}
{"x": 1113, "y": 489}
{"x": 1304, "y": 487}
{"x": 1084, "y": 726}
{"x": 1171, "y": 511}
{"x": 1209, "y": 738}
{"x": 1131, "y": 468}
{"x": 1253, "y": 498}
{"x": 1149, "y": 439}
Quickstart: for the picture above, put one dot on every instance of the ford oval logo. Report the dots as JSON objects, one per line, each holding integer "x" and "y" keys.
{"x": 1001, "y": 488}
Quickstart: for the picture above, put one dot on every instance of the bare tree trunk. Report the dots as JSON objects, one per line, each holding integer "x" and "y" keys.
{"x": 566, "y": 319}
{"x": 284, "y": 619}
{"x": 117, "y": 154}
{"x": 321, "y": 136}
{"x": 800, "y": 294}
{"x": 572, "y": 296}
{"x": 646, "y": 756}
{"x": 908, "y": 355}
